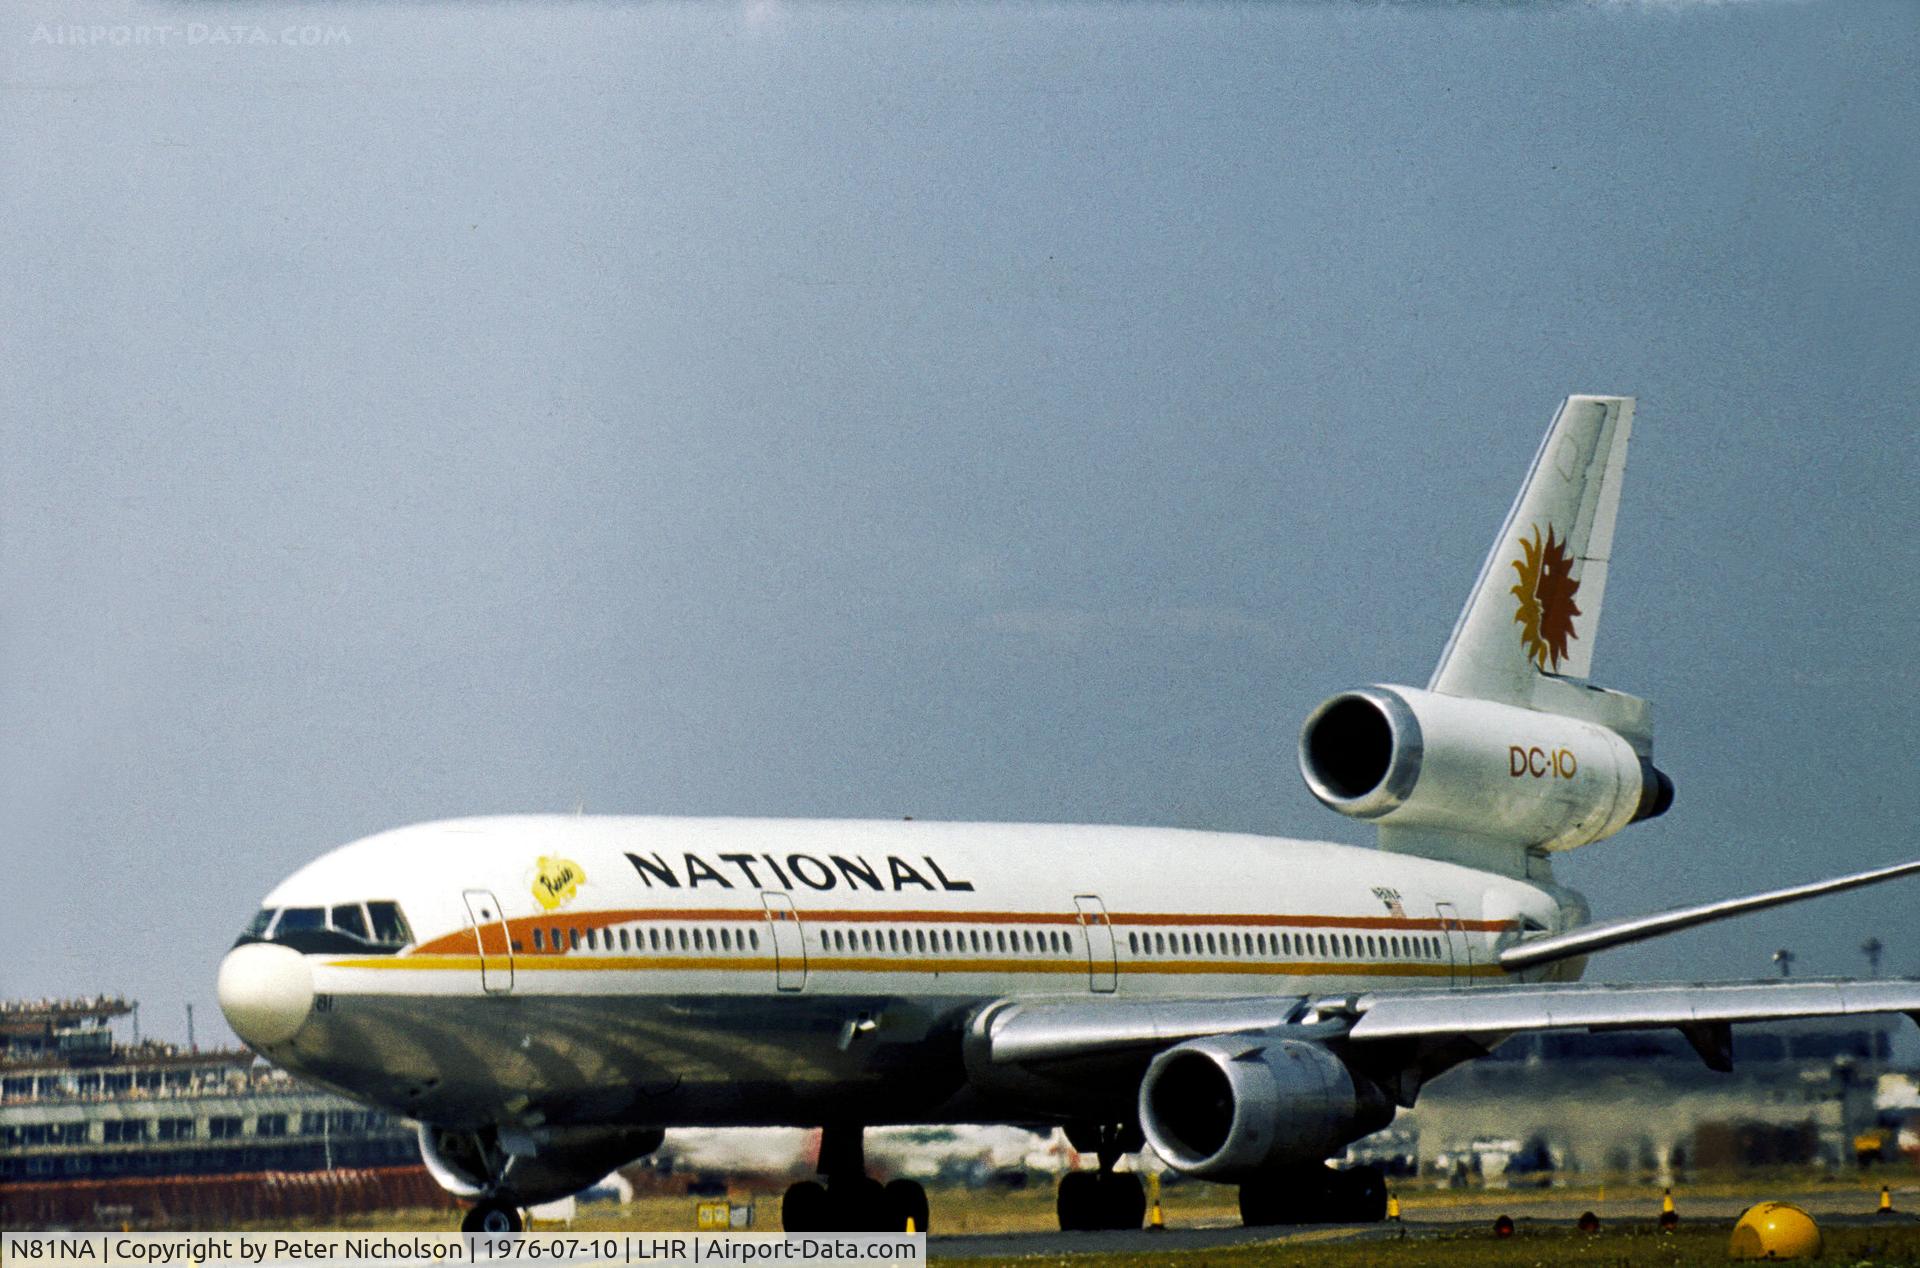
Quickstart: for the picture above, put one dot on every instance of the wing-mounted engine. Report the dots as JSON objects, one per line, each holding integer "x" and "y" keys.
{"x": 475, "y": 1164}
{"x": 1406, "y": 758}
{"x": 1229, "y": 1107}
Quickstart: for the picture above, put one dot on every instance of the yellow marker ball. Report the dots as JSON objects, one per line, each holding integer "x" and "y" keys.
{"x": 1775, "y": 1230}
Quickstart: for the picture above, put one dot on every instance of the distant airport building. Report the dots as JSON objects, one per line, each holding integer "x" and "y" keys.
{"x": 90, "y": 1128}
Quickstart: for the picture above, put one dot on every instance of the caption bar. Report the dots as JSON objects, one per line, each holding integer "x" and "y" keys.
{"x": 401, "y": 1250}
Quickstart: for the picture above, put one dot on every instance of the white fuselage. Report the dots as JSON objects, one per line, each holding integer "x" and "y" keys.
{"x": 671, "y": 972}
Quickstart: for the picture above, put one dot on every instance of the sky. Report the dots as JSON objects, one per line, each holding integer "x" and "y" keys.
{"x": 983, "y": 411}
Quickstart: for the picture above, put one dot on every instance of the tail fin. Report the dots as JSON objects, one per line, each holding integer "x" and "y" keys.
{"x": 1535, "y": 609}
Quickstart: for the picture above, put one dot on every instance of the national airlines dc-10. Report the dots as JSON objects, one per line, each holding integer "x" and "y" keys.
{"x": 546, "y": 995}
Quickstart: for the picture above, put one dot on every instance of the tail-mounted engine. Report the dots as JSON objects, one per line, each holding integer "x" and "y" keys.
{"x": 1232, "y": 1106}
{"x": 1416, "y": 759}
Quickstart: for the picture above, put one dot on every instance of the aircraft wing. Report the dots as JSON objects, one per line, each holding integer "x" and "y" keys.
{"x": 1027, "y": 1032}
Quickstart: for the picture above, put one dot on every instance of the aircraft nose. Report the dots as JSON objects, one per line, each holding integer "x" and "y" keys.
{"x": 266, "y": 992}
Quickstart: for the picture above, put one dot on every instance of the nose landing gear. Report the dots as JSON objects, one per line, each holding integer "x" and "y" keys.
{"x": 1105, "y": 1198}
{"x": 851, "y": 1201}
{"x": 492, "y": 1216}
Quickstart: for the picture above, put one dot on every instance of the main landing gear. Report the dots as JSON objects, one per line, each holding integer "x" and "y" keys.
{"x": 850, "y": 1200}
{"x": 1105, "y": 1198}
{"x": 492, "y": 1216}
{"x": 1315, "y": 1195}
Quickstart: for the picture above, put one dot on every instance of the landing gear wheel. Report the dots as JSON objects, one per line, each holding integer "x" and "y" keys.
{"x": 804, "y": 1209}
{"x": 1092, "y": 1200}
{"x": 1078, "y": 1203}
{"x": 906, "y": 1200}
{"x": 858, "y": 1205}
{"x": 1285, "y": 1197}
{"x": 491, "y": 1217}
{"x": 1123, "y": 1200}
{"x": 1360, "y": 1195}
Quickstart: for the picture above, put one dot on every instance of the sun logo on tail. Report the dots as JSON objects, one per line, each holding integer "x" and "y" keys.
{"x": 1545, "y": 591}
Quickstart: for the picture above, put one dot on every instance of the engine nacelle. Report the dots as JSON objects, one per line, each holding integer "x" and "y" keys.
{"x": 1229, "y": 1106}
{"x": 471, "y": 1164}
{"x": 1417, "y": 759}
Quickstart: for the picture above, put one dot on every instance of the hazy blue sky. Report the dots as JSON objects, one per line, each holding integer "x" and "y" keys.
{"x": 971, "y": 411}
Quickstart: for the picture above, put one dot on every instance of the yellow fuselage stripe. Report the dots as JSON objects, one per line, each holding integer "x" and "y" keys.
{"x": 825, "y": 964}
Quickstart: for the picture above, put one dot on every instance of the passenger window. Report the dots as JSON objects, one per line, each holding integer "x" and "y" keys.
{"x": 683, "y": 939}
{"x": 974, "y": 934}
{"x": 536, "y": 937}
{"x": 1133, "y": 943}
{"x": 623, "y": 940}
{"x": 573, "y": 939}
{"x": 946, "y": 937}
{"x": 348, "y": 918}
{"x": 920, "y": 940}
{"x": 593, "y": 941}
{"x": 653, "y": 939}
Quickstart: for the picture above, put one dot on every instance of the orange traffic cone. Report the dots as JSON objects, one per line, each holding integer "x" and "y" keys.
{"x": 1156, "y": 1220}
{"x": 1886, "y": 1201}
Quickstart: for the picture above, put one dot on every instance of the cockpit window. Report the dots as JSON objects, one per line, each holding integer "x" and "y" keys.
{"x": 258, "y": 925}
{"x": 389, "y": 926}
{"x": 297, "y": 919}
{"x": 348, "y": 918}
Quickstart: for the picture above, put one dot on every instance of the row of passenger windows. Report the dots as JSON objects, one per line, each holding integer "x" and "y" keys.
{"x": 1324, "y": 945}
{"x": 923, "y": 941}
{"x": 689, "y": 938}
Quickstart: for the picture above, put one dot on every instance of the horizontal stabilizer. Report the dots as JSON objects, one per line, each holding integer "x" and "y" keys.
{"x": 1614, "y": 933}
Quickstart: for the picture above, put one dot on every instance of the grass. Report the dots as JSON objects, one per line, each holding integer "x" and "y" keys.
{"x": 1629, "y": 1238}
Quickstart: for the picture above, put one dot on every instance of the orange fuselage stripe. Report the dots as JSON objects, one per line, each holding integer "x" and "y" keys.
{"x": 521, "y": 928}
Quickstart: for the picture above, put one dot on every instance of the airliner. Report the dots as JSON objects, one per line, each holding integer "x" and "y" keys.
{"x": 546, "y": 995}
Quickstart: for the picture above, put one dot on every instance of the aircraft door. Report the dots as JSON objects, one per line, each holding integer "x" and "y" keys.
{"x": 1103, "y": 970}
{"x": 490, "y": 934}
{"x": 789, "y": 942}
{"x": 1459, "y": 950}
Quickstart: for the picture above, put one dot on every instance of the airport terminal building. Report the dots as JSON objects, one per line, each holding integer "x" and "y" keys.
{"x": 84, "y": 1116}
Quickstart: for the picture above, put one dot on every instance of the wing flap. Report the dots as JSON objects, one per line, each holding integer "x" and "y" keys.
{"x": 1025, "y": 1032}
{"x": 1509, "y": 1010}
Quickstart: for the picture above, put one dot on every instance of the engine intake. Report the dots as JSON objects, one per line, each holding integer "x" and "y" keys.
{"x": 1413, "y": 758}
{"x": 1230, "y": 1106}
